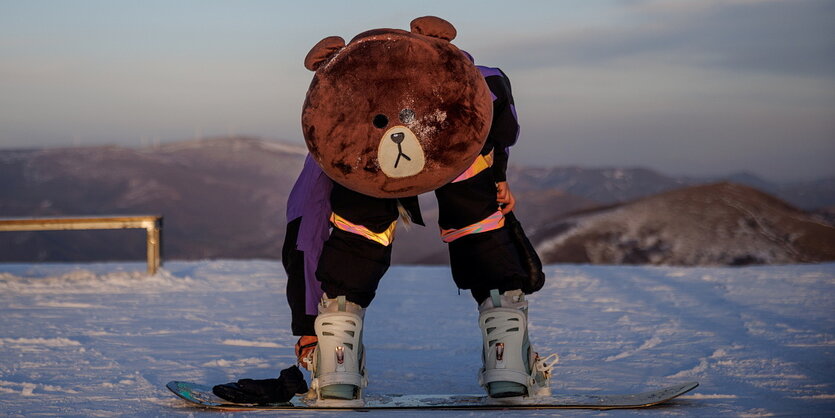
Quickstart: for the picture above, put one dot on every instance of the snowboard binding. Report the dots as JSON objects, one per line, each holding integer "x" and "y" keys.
{"x": 511, "y": 367}
{"x": 339, "y": 357}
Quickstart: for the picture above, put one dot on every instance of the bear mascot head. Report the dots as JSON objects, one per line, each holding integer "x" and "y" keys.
{"x": 395, "y": 113}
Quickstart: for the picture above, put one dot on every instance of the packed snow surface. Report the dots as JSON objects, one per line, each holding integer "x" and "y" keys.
{"x": 103, "y": 339}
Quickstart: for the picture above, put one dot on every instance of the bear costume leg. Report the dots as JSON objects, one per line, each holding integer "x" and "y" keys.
{"x": 480, "y": 261}
{"x": 488, "y": 263}
{"x": 354, "y": 259}
{"x": 352, "y": 265}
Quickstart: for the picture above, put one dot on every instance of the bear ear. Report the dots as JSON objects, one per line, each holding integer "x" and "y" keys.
{"x": 434, "y": 27}
{"x": 323, "y": 51}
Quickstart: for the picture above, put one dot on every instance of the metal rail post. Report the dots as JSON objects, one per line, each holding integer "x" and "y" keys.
{"x": 151, "y": 223}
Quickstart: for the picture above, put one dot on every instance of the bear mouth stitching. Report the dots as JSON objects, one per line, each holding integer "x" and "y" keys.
{"x": 397, "y": 144}
{"x": 398, "y": 138}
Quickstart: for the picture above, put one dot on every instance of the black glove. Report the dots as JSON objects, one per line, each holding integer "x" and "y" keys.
{"x": 264, "y": 391}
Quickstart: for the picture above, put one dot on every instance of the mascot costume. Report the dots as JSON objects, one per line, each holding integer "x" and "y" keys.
{"x": 390, "y": 115}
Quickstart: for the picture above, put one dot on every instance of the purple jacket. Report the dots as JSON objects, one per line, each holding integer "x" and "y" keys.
{"x": 310, "y": 200}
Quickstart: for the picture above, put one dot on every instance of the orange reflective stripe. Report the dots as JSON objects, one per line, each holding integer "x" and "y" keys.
{"x": 494, "y": 221}
{"x": 481, "y": 163}
{"x": 383, "y": 238}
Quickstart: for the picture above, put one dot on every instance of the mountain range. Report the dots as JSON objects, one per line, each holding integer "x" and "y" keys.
{"x": 225, "y": 198}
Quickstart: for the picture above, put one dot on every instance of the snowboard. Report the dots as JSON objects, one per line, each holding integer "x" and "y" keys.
{"x": 202, "y": 396}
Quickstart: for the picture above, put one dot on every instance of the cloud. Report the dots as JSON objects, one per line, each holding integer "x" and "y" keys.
{"x": 786, "y": 37}
{"x": 692, "y": 87}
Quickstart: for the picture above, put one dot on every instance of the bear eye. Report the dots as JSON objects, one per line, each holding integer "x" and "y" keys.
{"x": 380, "y": 121}
{"x": 407, "y": 116}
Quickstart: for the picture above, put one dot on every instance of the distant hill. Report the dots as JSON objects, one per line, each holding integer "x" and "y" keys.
{"x": 602, "y": 185}
{"x": 225, "y": 198}
{"x": 715, "y": 224}
{"x": 219, "y": 198}
{"x": 616, "y": 185}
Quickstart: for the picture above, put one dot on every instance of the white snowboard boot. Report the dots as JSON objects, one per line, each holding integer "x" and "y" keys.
{"x": 339, "y": 358}
{"x": 511, "y": 367}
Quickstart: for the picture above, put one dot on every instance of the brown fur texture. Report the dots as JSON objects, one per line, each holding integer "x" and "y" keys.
{"x": 386, "y": 83}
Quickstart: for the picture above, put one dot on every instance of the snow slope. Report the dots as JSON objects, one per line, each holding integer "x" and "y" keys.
{"x": 103, "y": 339}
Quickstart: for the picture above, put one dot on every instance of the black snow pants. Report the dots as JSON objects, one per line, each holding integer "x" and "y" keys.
{"x": 352, "y": 265}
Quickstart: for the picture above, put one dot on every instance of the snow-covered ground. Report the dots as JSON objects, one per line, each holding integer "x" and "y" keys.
{"x": 103, "y": 339}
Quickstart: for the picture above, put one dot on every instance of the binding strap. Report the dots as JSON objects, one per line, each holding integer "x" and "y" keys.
{"x": 384, "y": 238}
{"x": 494, "y": 221}
{"x": 481, "y": 163}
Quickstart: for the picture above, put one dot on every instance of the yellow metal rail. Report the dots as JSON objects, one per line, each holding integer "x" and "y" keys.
{"x": 152, "y": 224}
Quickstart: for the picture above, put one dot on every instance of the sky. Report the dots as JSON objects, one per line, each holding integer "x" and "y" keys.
{"x": 685, "y": 87}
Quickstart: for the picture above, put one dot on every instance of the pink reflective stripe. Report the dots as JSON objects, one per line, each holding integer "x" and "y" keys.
{"x": 480, "y": 164}
{"x": 384, "y": 238}
{"x": 494, "y": 221}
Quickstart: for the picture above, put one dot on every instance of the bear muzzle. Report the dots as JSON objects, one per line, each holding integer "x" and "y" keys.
{"x": 400, "y": 154}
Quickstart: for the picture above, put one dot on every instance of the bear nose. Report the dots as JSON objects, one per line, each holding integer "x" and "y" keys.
{"x": 398, "y": 137}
